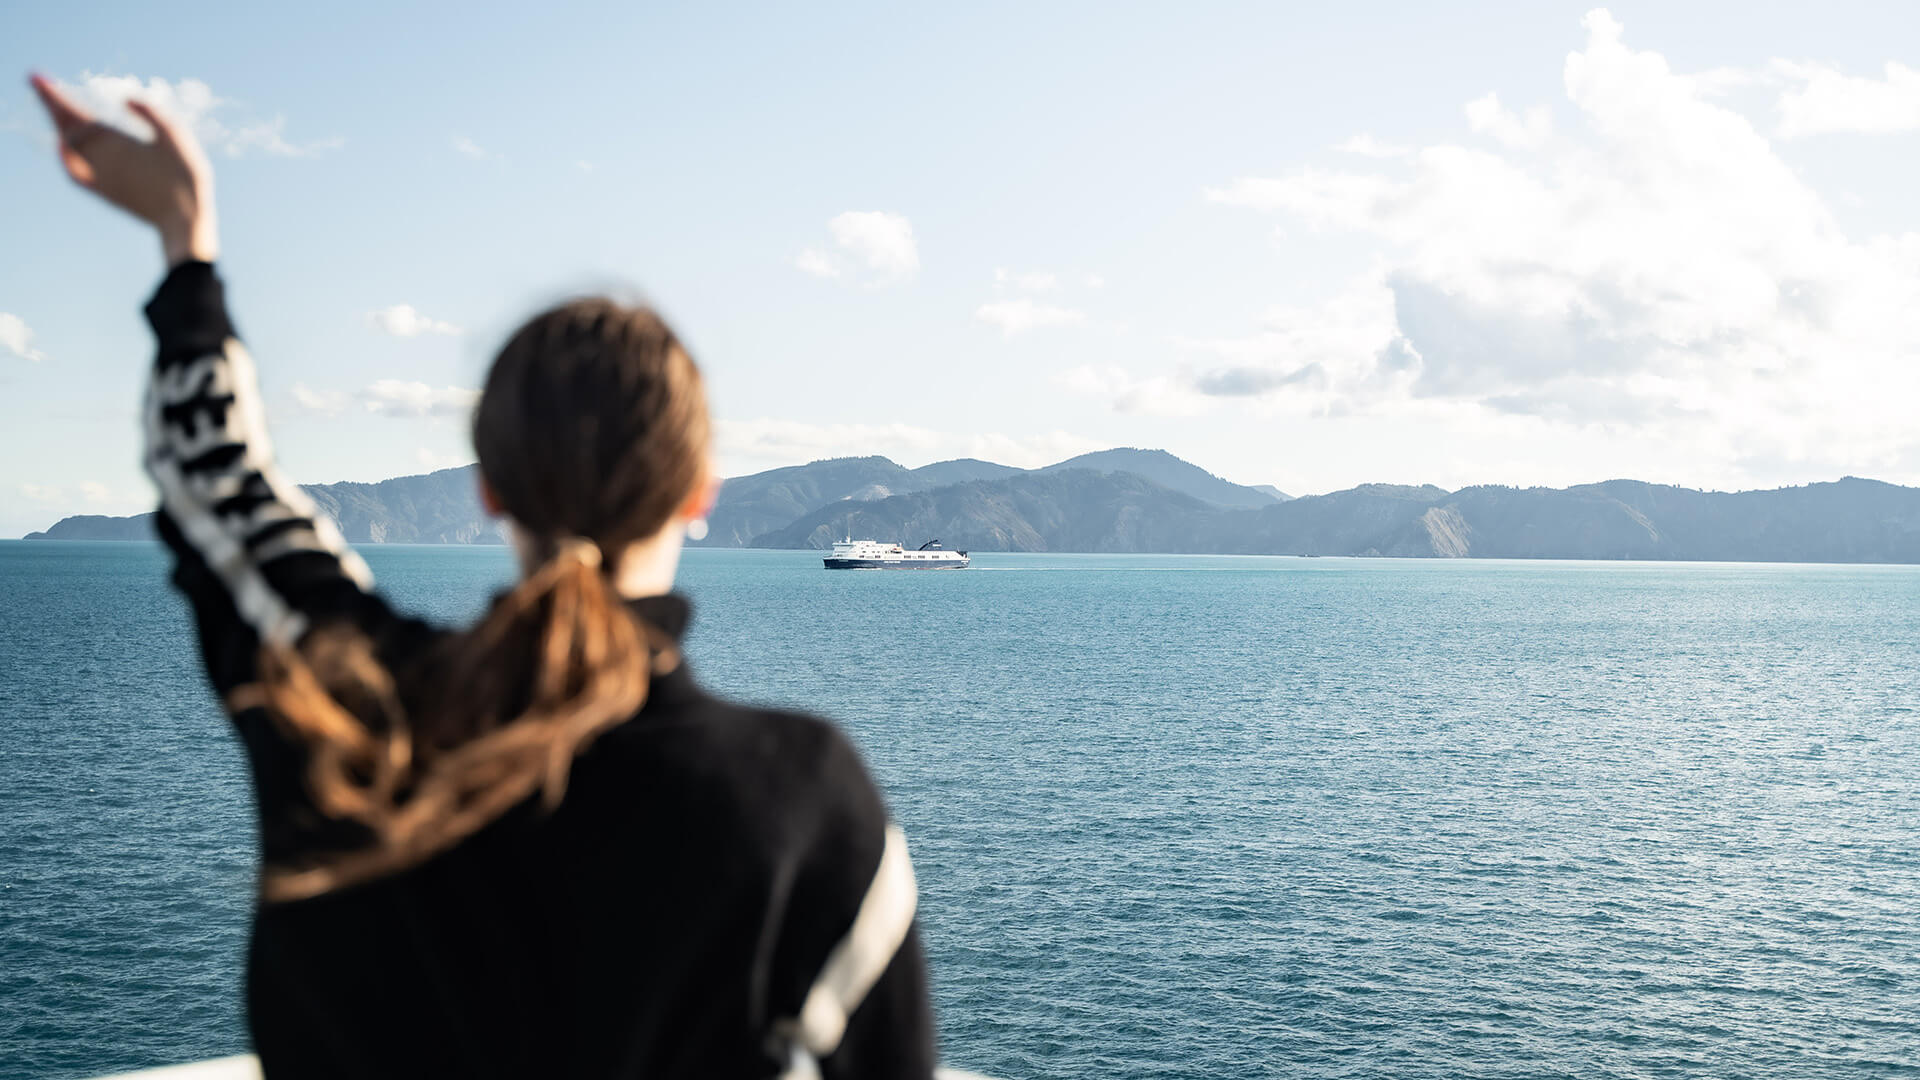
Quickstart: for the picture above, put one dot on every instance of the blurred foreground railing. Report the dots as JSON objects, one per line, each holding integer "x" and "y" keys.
{"x": 247, "y": 1067}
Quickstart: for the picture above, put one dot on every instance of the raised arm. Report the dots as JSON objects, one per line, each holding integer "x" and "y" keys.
{"x": 223, "y": 499}
{"x": 256, "y": 558}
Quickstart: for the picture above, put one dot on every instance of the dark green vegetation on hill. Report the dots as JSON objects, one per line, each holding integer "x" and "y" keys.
{"x": 1170, "y": 472}
{"x": 1150, "y": 501}
{"x": 1072, "y": 510}
{"x": 754, "y": 508}
{"x": 98, "y": 527}
{"x": 438, "y": 508}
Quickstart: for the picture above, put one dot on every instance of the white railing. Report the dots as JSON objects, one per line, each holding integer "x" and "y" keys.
{"x": 247, "y": 1067}
{"x": 240, "y": 1067}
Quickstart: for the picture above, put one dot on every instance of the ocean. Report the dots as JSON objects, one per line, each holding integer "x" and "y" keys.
{"x": 1173, "y": 817}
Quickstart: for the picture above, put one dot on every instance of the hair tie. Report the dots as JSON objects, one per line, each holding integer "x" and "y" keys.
{"x": 580, "y": 547}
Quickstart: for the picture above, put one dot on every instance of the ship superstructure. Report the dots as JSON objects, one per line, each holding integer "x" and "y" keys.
{"x": 851, "y": 554}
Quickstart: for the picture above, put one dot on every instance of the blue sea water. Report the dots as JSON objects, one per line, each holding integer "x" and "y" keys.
{"x": 1172, "y": 816}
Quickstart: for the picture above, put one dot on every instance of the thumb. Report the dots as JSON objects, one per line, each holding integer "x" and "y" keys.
{"x": 170, "y": 136}
{"x": 151, "y": 115}
{"x": 79, "y": 169}
{"x": 165, "y": 132}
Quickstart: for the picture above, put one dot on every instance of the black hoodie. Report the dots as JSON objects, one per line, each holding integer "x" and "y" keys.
{"x": 719, "y": 893}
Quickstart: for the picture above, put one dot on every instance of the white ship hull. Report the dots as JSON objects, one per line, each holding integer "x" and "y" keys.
{"x": 869, "y": 555}
{"x": 955, "y": 563}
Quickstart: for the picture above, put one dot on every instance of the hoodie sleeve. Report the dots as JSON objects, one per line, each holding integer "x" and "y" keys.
{"x": 255, "y": 557}
{"x": 850, "y": 983}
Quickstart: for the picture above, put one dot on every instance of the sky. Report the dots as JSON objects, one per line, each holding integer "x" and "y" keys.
{"x": 1302, "y": 245}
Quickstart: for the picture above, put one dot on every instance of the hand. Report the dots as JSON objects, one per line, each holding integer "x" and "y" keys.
{"x": 165, "y": 182}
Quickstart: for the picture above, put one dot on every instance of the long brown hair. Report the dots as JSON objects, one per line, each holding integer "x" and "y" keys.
{"x": 591, "y": 432}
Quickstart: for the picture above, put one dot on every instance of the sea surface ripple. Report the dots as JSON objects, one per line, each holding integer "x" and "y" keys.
{"x": 1172, "y": 816}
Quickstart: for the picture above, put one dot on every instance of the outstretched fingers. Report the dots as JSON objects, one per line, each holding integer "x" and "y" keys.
{"x": 75, "y": 126}
{"x": 68, "y": 117}
{"x": 164, "y": 181}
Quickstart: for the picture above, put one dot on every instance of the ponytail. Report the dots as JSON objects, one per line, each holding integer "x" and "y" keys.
{"x": 592, "y": 431}
{"x": 501, "y": 711}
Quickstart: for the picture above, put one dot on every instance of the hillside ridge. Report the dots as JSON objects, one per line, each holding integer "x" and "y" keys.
{"x": 1147, "y": 501}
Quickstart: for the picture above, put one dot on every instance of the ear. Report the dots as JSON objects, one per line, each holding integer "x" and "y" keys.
{"x": 489, "y": 501}
{"x": 700, "y": 503}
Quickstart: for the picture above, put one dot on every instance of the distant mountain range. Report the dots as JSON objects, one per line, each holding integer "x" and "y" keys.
{"x": 753, "y": 510}
{"x": 438, "y": 508}
{"x": 1128, "y": 500}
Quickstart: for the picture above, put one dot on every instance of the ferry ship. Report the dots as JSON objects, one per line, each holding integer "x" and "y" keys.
{"x": 851, "y": 554}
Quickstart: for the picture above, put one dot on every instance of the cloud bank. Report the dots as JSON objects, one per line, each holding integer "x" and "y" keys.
{"x": 1824, "y": 101}
{"x": 1656, "y": 267}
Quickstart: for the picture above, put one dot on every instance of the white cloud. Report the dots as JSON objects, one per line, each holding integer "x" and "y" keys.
{"x": 583, "y": 165}
{"x": 41, "y": 493}
{"x": 1320, "y": 358}
{"x": 1825, "y": 100}
{"x": 388, "y": 397}
{"x": 320, "y": 402}
{"x": 882, "y": 241}
{"x": 96, "y": 492}
{"x": 16, "y": 337}
{"x": 817, "y": 263}
{"x": 1366, "y": 145}
{"x": 1153, "y": 395}
{"x": 1488, "y": 117}
{"x": 221, "y": 125}
{"x": 878, "y": 244}
{"x": 1658, "y": 269}
{"x": 395, "y": 397}
{"x": 1095, "y": 281}
{"x": 402, "y": 320}
{"x": 750, "y": 445}
{"x": 1721, "y": 81}
{"x": 1019, "y": 316}
{"x": 466, "y": 147}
